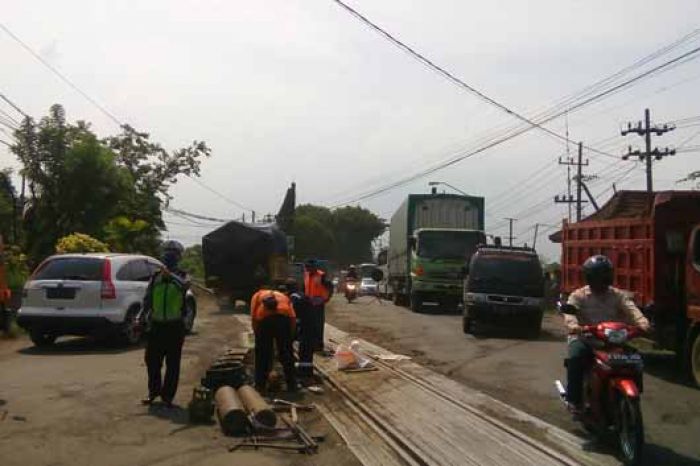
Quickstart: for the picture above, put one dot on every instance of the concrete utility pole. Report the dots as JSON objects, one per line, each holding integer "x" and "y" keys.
{"x": 534, "y": 240}
{"x": 510, "y": 230}
{"x": 645, "y": 130}
{"x": 569, "y": 199}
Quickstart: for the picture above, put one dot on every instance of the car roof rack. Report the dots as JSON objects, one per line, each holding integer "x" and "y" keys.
{"x": 501, "y": 247}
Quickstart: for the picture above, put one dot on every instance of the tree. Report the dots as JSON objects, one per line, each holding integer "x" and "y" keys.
{"x": 192, "y": 262}
{"x": 343, "y": 235}
{"x": 112, "y": 189}
{"x": 80, "y": 243}
{"x": 8, "y": 214}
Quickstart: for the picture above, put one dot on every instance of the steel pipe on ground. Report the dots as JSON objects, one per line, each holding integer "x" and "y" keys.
{"x": 230, "y": 411}
{"x": 256, "y": 406}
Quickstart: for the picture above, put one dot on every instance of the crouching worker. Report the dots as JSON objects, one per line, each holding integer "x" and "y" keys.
{"x": 274, "y": 324}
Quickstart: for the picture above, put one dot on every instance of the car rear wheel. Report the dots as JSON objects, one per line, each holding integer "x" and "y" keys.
{"x": 466, "y": 324}
{"x": 416, "y": 303}
{"x": 42, "y": 340}
{"x": 132, "y": 328}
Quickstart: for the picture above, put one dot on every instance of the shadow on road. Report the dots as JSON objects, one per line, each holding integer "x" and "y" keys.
{"x": 516, "y": 334}
{"x": 665, "y": 367}
{"x": 80, "y": 345}
{"x": 657, "y": 455}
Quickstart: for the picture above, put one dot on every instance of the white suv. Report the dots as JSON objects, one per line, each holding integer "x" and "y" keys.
{"x": 90, "y": 294}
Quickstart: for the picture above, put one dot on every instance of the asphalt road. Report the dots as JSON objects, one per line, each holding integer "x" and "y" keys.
{"x": 77, "y": 403}
{"x": 521, "y": 372}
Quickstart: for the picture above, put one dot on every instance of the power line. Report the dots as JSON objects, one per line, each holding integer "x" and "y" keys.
{"x": 684, "y": 58}
{"x": 12, "y": 104}
{"x": 220, "y": 195}
{"x": 447, "y": 74}
{"x": 61, "y": 75}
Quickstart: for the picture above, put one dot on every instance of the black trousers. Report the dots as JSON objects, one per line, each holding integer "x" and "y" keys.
{"x": 165, "y": 342}
{"x": 308, "y": 339}
{"x": 319, "y": 317}
{"x": 274, "y": 331}
{"x": 580, "y": 355}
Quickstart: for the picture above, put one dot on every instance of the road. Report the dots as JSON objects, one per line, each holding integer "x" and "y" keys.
{"x": 521, "y": 372}
{"x": 78, "y": 404}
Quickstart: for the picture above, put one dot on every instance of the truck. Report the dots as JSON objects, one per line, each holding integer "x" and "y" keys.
{"x": 653, "y": 240}
{"x": 239, "y": 257}
{"x": 431, "y": 238}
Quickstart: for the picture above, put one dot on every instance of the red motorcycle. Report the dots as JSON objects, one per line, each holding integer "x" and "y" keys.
{"x": 612, "y": 388}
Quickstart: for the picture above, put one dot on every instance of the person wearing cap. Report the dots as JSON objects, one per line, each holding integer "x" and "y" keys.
{"x": 318, "y": 290}
{"x": 274, "y": 324}
{"x": 164, "y": 310}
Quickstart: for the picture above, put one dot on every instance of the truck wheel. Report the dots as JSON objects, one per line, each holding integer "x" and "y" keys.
{"x": 42, "y": 340}
{"x": 416, "y": 303}
{"x": 695, "y": 359}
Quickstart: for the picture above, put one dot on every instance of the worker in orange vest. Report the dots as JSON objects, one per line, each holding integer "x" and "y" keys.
{"x": 274, "y": 324}
{"x": 318, "y": 290}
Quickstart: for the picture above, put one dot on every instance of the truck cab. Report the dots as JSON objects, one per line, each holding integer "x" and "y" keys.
{"x": 437, "y": 258}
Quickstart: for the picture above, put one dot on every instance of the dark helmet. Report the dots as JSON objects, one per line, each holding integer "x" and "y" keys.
{"x": 270, "y": 302}
{"x": 311, "y": 264}
{"x": 173, "y": 246}
{"x": 598, "y": 271}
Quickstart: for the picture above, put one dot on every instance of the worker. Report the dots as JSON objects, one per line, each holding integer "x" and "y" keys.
{"x": 274, "y": 324}
{"x": 164, "y": 307}
{"x": 596, "y": 302}
{"x": 318, "y": 289}
{"x": 305, "y": 331}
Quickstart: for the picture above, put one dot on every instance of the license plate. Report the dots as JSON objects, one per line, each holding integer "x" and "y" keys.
{"x": 60, "y": 293}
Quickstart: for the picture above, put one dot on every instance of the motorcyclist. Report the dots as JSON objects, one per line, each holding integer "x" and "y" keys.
{"x": 596, "y": 302}
{"x": 352, "y": 273}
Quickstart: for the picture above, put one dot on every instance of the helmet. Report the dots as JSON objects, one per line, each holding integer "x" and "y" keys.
{"x": 598, "y": 272}
{"x": 352, "y": 267}
{"x": 270, "y": 302}
{"x": 172, "y": 245}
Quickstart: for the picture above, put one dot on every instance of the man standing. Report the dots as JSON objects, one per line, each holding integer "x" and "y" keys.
{"x": 274, "y": 324}
{"x": 318, "y": 289}
{"x": 164, "y": 307}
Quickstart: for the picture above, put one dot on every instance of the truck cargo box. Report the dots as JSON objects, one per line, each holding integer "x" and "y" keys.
{"x": 644, "y": 234}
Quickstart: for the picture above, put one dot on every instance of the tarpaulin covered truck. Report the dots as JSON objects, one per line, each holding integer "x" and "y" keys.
{"x": 431, "y": 237}
{"x": 653, "y": 240}
{"x": 239, "y": 257}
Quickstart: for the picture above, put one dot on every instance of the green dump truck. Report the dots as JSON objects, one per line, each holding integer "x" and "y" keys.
{"x": 431, "y": 237}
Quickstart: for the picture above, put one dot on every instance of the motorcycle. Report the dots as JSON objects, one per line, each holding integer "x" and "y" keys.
{"x": 351, "y": 291}
{"x": 612, "y": 388}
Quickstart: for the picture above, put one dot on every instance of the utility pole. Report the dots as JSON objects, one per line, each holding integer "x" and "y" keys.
{"x": 534, "y": 240}
{"x": 510, "y": 230}
{"x": 569, "y": 199}
{"x": 645, "y": 130}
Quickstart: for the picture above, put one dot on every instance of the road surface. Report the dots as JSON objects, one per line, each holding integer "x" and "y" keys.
{"x": 521, "y": 372}
{"x": 78, "y": 404}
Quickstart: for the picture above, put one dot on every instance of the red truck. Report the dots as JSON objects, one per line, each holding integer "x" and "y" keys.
{"x": 653, "y": 239}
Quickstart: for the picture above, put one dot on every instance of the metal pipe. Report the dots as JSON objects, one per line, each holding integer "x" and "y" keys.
{"x": 256, "y": 406}
{"x": 230, "y": 411}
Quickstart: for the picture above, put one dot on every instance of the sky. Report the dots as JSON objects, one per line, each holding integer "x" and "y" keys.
{"x": 300, "y": 90}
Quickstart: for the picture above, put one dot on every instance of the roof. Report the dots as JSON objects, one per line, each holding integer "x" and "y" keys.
{"x": 630, "y": 204}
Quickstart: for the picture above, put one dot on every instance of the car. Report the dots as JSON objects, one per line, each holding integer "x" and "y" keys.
{"x": 97, "y": 294}
{"x": 504, "y": 287}
{"x": 368, "y": 287}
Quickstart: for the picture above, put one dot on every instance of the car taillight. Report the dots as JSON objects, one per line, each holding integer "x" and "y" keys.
{"x": 419, "y": 270}
{"x": 108, "y": 289}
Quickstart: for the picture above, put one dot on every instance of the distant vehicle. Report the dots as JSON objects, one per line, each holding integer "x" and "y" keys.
{"x": 504, "y": 287}
{"x": 383, "y": 288}
{"x": 366, "y": 270}
{"x": 431, "y": 238}
{"x": 90, "y": 294}
{"x": 368, "y": 287}
{"x": 351, "y": 290}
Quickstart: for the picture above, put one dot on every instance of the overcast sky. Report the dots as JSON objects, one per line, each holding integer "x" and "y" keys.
{"x": 300, "y": 90}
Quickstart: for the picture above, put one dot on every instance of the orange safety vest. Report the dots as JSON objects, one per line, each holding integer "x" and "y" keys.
{"x": 314, "y": 287}
{"x": 258, "y": 311}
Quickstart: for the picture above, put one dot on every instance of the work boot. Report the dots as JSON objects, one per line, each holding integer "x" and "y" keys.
{"x": 147, "y": 401}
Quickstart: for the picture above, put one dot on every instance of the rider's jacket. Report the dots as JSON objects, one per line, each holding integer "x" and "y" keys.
{"x": 612, "y": 305}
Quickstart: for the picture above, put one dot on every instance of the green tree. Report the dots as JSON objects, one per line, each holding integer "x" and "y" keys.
{"x": 343, "y": 235}
{"x": 192, "y": 262}
{"x": 113, "y": 189}
{"x": 79, "y": 243}
{"x": 8, "y": 212}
